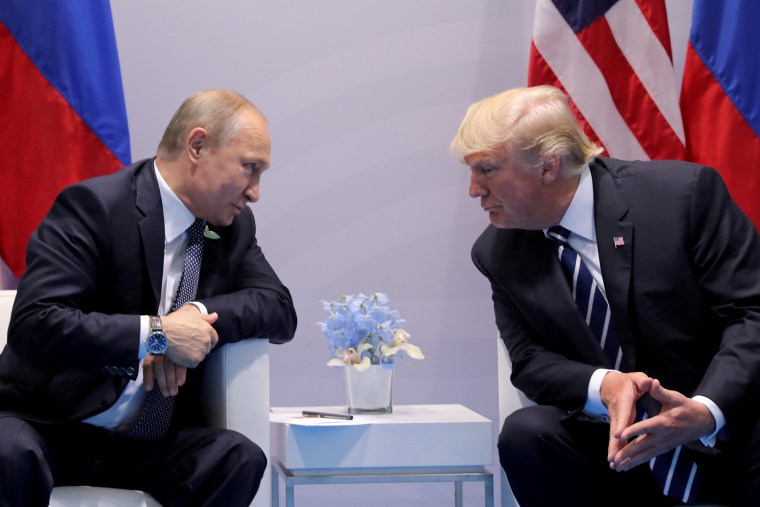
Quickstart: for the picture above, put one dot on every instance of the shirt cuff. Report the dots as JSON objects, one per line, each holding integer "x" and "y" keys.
{"x": 717, "y": 413}
{"x": 144, "y": 330}
{"x": 200, "y": 306}
{"x": 594, "y": 408}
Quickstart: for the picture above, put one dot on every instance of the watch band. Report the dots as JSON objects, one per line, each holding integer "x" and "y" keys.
{"x": 155, "y": 323}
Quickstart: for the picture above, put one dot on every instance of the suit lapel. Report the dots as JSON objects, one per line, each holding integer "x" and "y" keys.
{"x": 541, "y": 275}
{"x": 151, "y": 226}
{"x": 615, "y": 258}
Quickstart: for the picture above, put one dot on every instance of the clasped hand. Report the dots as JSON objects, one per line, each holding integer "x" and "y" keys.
{"x": 191, "y": 338}
{"x": 681, "y": 419}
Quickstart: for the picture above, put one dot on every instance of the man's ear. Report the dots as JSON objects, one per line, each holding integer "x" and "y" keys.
{"x": 550, "y": 169}
{"x": 197, "y": 140}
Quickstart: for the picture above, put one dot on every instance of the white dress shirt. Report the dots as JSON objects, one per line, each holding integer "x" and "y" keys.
{"x": 177, "y": 218}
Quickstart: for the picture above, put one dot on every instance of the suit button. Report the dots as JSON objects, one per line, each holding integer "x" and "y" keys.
{"x": 113, "y": 370}
{"x": 122, "y": 371}
{"x": 130, "y": 371}
{"x": 105, "y": 370}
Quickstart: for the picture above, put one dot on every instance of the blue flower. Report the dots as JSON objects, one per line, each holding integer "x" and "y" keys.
{"x": 362, "y": 330}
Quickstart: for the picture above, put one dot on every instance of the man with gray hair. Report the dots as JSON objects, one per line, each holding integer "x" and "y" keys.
{"x": 628, "y": 296}
{"x": 132, "y": 280}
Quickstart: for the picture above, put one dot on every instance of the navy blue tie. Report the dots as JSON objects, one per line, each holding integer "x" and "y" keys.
{"x": 588, "y": 297}
{"x": 676, "y": 470}
{"x": 157, "y": 414}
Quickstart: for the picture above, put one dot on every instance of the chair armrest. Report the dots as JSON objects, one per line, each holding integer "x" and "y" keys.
{"x": 236, "y": 396}
{"x": 510, "y": 398}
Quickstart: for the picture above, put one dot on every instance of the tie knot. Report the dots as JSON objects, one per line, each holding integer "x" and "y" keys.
{"x": 559, "y": 234}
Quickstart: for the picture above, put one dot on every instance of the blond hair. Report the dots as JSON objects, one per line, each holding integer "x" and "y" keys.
{"x": 533, "y": 124}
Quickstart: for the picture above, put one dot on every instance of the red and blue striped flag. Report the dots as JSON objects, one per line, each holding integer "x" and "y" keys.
{"x": 613, "y": 59}
{"x": 720, "y": 96}
{"x": 63, "y": 117}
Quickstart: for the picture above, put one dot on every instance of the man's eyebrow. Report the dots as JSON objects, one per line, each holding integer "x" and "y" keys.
{"x": 260, "y": 163}
{"x": 483, "y": 162}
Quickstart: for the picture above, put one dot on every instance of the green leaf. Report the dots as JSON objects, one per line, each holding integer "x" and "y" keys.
{"x": 210, "y": 234}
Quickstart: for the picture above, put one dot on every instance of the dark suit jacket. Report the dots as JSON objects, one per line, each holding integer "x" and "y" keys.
{"x": 94, "y": 266}
{"x": 684, "y": 290}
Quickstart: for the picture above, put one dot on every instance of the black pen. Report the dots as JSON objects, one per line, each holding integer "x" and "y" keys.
{"x": 327, "y": 415}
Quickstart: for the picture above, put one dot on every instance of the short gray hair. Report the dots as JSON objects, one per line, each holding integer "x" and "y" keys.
{"x": 217, "y": 111}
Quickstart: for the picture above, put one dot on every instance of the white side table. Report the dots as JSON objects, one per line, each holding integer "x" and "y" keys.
{"x": 416, "y": 443}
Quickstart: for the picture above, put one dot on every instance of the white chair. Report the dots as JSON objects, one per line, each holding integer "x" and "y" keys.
{"x": 510, "y": 399}
{"x": 236, "y": 396}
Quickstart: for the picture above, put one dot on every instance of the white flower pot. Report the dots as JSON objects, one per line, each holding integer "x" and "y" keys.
{"x": 369, "y": 391}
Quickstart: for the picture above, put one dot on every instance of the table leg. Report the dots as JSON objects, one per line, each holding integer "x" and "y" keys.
{"x": 458, "y": 496}
{"x": 275, "y": 486}
{"x": 289, "y": 494}
{"x": 488, "y": 484}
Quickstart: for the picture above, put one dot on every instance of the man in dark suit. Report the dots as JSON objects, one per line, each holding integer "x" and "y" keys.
{"x": 94, "y": 338}
{"x": 679, "y": 265}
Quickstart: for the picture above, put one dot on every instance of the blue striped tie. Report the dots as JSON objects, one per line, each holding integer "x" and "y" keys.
{"x": 588, "y": 297}
{"x": 676, "y": 470}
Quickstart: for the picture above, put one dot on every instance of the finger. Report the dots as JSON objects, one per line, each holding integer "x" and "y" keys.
{"x": 645, "y": 427}
{"x": 148, "y": 377}
{"x": 614, "y": 446}
{"x": 665, "y": 396}
{"x": 617, "y": 442}
{"x": 642, "y": 381}
{"x": 619, "y": 418}
{"x": 638, "y": 451}
{"x": 171, "y": 380}
{"x": 629, "y": 462}
{"x": 214, "y": 337}
{"x": 211, "y": 317}
{"x": 160, "y": 373}
{"x": 180, "y": 373}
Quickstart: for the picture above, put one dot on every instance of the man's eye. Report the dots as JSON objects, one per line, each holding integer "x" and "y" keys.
{"x": 488, "y": 172}
{"x": 251, "y": 168}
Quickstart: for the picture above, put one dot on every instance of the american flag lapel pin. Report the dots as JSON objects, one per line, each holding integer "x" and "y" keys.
{"x": 618, "y": 240}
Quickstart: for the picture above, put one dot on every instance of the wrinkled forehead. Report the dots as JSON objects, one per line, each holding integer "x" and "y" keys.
{"x": 493, "y": 157}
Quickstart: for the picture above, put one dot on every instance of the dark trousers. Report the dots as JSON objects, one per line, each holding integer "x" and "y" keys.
{"x": 191, "y": 467}
{"x": 552, "y": 460}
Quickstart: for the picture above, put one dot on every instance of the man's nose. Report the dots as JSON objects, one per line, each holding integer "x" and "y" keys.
{"x": 253, "y": 192}
{"x": 476, "y": 188}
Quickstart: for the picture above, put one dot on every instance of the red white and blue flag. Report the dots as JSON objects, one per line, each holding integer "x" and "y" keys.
{"x": 720, "y": 96}
{"x": 613, "y": 59}
{"x": 63, "y": 117}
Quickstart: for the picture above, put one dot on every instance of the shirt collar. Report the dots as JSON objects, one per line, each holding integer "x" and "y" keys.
{"x": 177, "y": 218}
{"x": 579, "y": 217}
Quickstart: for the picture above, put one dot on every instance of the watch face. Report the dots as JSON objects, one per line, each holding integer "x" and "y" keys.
{"x": 157, "y": 343}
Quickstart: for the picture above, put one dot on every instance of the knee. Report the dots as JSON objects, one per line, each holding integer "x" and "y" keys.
{"x": 20, "y": 443}
{"x": 24, "y": 468}
{"x": 525, "y": 427}
{"x": 245, "y": 456}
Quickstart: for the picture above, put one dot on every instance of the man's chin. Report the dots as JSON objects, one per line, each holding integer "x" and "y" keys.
{"x": 498, "y": 221}
{"x": 221, "y": 223}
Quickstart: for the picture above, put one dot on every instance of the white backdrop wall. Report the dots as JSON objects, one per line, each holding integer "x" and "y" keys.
{"x": 362, "y": 98}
